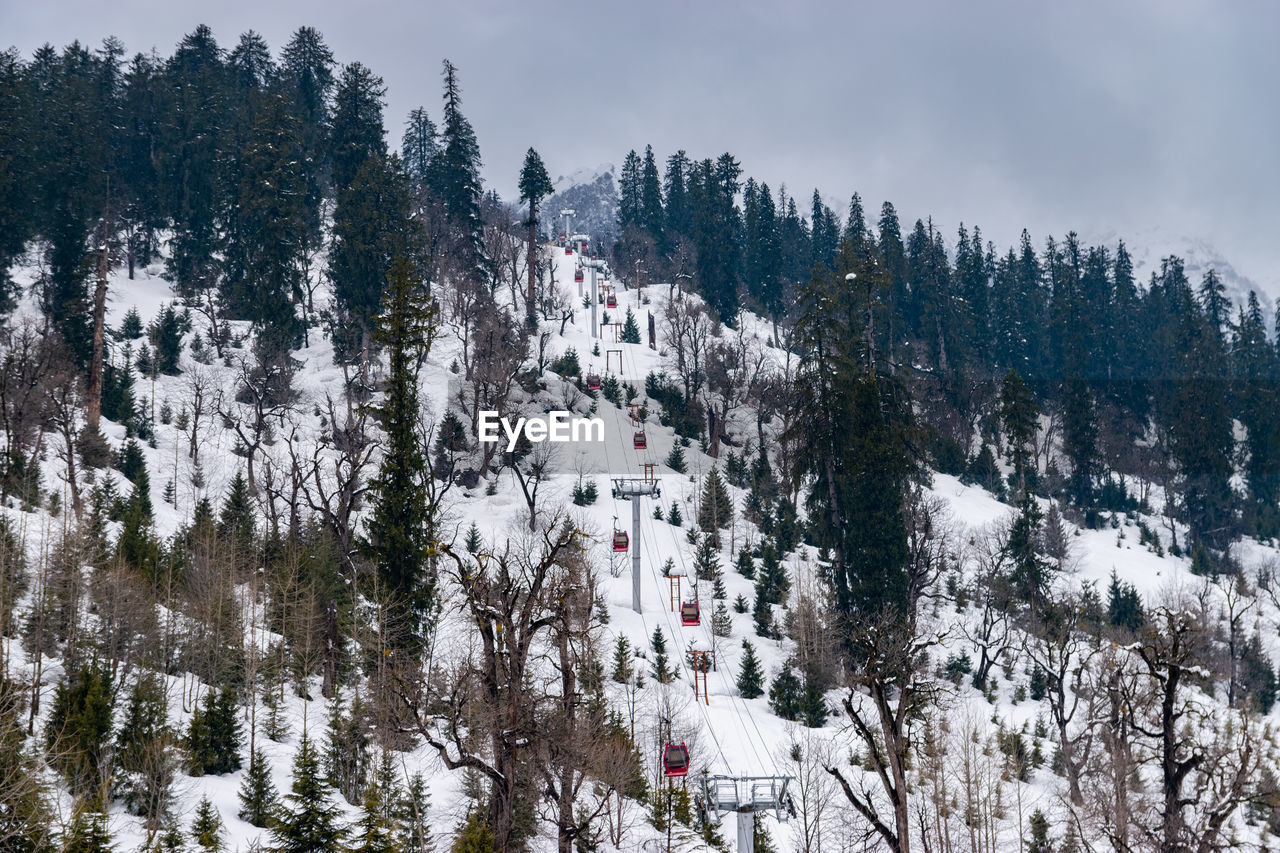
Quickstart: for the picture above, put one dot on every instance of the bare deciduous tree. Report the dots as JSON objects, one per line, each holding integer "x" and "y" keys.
{"x": 689, "y": 327}
{"x": 482, "y": 715}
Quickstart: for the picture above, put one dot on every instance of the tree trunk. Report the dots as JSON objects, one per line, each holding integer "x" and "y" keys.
{"x": 99, "y": 322}
{"x": 530, "y": 306}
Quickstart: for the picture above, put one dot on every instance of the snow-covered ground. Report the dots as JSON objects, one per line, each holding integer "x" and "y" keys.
{"x": 726, "y": 733}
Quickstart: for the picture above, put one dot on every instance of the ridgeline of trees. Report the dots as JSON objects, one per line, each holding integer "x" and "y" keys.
{"x": 1139, "y": 381}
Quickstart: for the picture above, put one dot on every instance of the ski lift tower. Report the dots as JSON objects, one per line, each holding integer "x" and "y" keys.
{"x": 568, "y": 213}
{"x": 632, "y": 489}
{"x": 744, "y": 796}
{"x": 594, "y": 265}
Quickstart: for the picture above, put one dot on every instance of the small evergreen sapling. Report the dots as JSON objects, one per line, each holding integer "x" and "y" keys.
{"x": 706, "y": 559}
{"x": 721, "y": 621}
{"x": 750, "y": 675}
{"x": 213, "y": 736}
{"x": 716, "y": 509}
{"x": 630, "y": 329}
{"x": 310, "y": 821}
{"x": 762, "y": 612}
{"x": 661, "y": 663}
{"x": 474, "y": 836}
{"x": 622, "y": 666}
{"x": 375, "y": 829}
{"x": 258, "y": 796}
{"x": 89, "y": 832}
{"x": 675, "y": 459}
{"x": 411, "y": 811}
{"x": 206, "y": 828}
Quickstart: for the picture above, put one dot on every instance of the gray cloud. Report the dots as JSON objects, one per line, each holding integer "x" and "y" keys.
{"x": 1104, "y": 117}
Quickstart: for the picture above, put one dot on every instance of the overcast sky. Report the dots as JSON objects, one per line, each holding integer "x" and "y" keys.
{"x": 1102, "y": 117}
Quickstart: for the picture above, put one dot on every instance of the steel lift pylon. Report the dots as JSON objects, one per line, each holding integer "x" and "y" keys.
{"x": 745, "y": 796}
{"x": 632, "y": 489}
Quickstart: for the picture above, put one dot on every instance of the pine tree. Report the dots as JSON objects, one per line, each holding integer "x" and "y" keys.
{"x": 266, "y": 234}
{"x": 746, "y": 566}
{"x": 372, "y": 227}
{"x": 311, "y": 822}
{"x": 172, "y": 841}
{"x": 674, "y": 518}
{"x": 982, "y": 471}
{"x": 750, "y": 674}
{"x": 785, "y": 695}
{"x": 458, "y": 175}
{"x": 138, "y": 546}
{"x": 1256, "y": 369}
{"x": 306, "y": 66}
{"x": 130, "y": 326}
{"x": 348, "y": 751}
{"x": 258, "y": 797}
{"x": 1018, "y": 416}
{"x": 661, "y": 663}
{"x": 474, "y": 541}
{"x": 420, "y": 148}
{"x": 375, "y": 829}
{"x": 213, "y": 735}
{"x": 400, "y": 526}
{"x": 356, "y": 131}
{"x": 236, "y": 520}
{"x": 652, "y": 215}
{"x": 206, "y": 827}
{"x": 474, "y": 836}
{"x": 773, "y": 574}
{"x": 1038, "y": 826}
{"x": 762, "y": 611}
{"x": 721, "y": 621}
{"x": 629, "y": 212}
{"x": 411, "y": 813}
{"x": 715, "y": 511}
{"x": 166, "y": 336}
{"x": 812, "y": 706}
{"x": 89, "y": 832}
{"x": 706, "y": 559}
{"x": 26, "y": 821}
{"x": 79, "y": 727}
{"x": 630, "y": 328}
{"x": 623, "y": 669}
{"x": 144, "y": 767}
{"x": 535, "y": 185}
{"x": 1124, "y": 605}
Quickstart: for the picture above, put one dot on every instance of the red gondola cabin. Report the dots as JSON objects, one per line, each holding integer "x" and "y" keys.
{"x": 577, "y": 275}
{"x": 611, "y": 301}
{"x": 568, "y": 250}
{"x": 593, "y": 381}
{"x": 620, "y": 541}
{"x": 690, "y": 613}
{"x": 675, "y": 760}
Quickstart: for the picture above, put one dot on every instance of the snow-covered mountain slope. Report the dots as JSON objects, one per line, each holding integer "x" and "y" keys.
{"x": 726, "y": 733}
{"x": 593, "y": 194}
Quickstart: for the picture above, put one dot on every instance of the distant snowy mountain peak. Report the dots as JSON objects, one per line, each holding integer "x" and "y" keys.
{"x": 1150, "y": 246}
{"x": 583, "y": 176}
{"x": 593, "y": 195}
